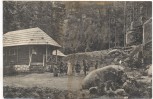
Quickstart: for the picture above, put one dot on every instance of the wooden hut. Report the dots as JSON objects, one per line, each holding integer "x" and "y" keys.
{"x": 28, "y": 48}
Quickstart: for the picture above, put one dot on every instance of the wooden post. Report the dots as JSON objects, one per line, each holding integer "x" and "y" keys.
{"x": 124, "y": 23}
{"x": 30, "y": 55}
{"x": 5, "y": 52}
{"x": 56, "y": 56}
{"x": 143, "y": 36}
{"x": 109, "y": 28}
{"x": 115, "y": 34}
{"x": 133, "y": 11}
{"x": 115, "y": 25}
{"x": 46, "y": 52}
{"x": 43, "y": 60}
{"x": 143, "y": 44}
{"x": 17, "y": 54}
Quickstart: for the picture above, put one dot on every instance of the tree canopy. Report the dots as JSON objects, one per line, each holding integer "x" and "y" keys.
{"x": 77, "y": 26}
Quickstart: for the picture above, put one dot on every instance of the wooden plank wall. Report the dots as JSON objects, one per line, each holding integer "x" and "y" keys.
{"x": 20, "y": 56}
{"x": 23, "y": 55}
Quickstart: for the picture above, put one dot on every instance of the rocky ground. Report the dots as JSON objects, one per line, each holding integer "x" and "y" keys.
{"x": 43, "y": 86}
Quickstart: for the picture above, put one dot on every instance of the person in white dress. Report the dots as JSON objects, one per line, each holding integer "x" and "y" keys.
{"x": 69, "y": 71}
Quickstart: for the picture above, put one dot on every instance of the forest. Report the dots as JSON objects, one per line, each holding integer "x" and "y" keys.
{"x": 78, "y": 26}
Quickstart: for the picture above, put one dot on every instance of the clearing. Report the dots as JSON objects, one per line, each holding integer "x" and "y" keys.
{"x": 44, "y": 80}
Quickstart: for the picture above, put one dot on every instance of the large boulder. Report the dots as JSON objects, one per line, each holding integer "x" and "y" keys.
{"x": 114, "y": 73}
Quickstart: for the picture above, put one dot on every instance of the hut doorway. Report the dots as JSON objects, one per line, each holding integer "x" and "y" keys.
{"x": 37, "y": 55}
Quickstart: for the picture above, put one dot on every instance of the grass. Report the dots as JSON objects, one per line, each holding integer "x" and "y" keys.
{"x": 44, "y": 80}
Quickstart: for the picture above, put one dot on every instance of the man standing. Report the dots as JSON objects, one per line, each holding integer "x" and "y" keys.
{"x": 61, "y": 68}
{"x": 77, "y": 67}
{"x": 65, "y": 68}
{"x": 96, "y": 65}
{"x": 84, "y": 67}
{"x": 55, "y": 70}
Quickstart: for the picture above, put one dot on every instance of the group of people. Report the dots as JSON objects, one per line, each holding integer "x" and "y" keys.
{"x": 86, "y": 67}
{"x": 60, "y": 69}
{"x": 69, "y": 69}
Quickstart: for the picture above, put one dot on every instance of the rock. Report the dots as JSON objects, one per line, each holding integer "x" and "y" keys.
{"x": 34, "y": 94}
{"x": 133, "y": 88}
{"x": 120, "y": 92}
{"x": 84, "y": 94}
{"x": 114, "y": 73}
{"x": 93, "y": 90}
{"x": 150, "y": 71}
{"x": 111, "y": 93}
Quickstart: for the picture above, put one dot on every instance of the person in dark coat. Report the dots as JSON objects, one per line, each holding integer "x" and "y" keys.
{"x": 88, "y": 66}
{"x": 61, "y": 67}
{"x": 65, "y": 68}
{"x": 96, "y": 65}
{"x": 55, "y": 70}
{"x": 77, "y": 67}
{"x": 84, "y": 67}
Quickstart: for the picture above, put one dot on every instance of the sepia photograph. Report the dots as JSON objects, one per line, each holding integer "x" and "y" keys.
{"x": 77, "y": 49}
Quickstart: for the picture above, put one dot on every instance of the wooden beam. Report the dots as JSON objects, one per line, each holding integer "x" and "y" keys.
{"x": 30, "y": 55}
{"x": 125, "y": 24}
{"x": 17, "y": 53}
{"x": 109, "y": 27}
{"x": 43, "y": 59}
{"x": 115, "y": 34}
{"x": 46, "y": 52}
{"x": 115, "y": 24}
{"x": 143, "y": 43}
{"x": 56, "y": 55}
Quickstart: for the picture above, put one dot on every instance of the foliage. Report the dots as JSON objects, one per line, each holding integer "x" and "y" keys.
{"x": 46, "y": 15}
{"x": 77, "y": 26}
{"x": 94, "y": 26}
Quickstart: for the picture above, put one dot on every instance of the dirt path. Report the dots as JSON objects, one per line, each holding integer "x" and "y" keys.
{"x": 44, "y": 80}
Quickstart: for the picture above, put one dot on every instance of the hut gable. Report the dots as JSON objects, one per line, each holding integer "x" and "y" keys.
{"x": 59, "y": 53}
{"x": 32, "y": 36}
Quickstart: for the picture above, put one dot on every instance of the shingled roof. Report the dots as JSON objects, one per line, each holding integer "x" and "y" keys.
{"x": 32, "y": 36}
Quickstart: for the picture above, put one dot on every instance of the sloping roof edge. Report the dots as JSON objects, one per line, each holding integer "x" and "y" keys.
{"x": 59, "y": 53}
{"x": 32, "y": 36}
